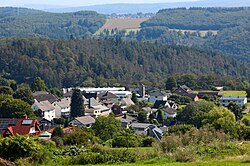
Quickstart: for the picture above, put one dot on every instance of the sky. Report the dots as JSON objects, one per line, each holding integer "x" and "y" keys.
{"x": 68, "y": 3}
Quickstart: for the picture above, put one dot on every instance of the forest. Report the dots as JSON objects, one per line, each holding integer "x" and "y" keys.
{"x": 21, "y": 22}
{"x": 71, "y": 62}
{"x": 183, "y": 27}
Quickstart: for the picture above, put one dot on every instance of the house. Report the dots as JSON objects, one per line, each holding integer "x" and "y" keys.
{"x": 161, "y": 103}
{"x": 45, "y": 136}
{"x": 239, "y": 100}
{"x": 209, "y": 93}
{"x": 23, "y": 126}
{"x": 83, "y": 121}
{"x": 62, "y": 107}
{"x": 157, "y": 95}
{"x": 186, "y": 91}
{"x": 147, "y": 129}
{"x": 105, "y": 96}
{"x": 168, "y": 113}
{"x": 126, "y": 102}
{"x": 95, "y": 109}
{"x": 126, "y": 120}
{"x": 44, "y": 96}
{"x": 47, "y": 109}
{"x": 193, "y": 96}
{"x": 45, "y": 124}
{"x": 182, "y": 90}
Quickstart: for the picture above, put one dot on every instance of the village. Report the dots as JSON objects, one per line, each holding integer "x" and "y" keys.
{"x": 157, "y": 109}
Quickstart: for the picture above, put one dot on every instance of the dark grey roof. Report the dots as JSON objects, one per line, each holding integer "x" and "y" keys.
{"x": 90, "y": 95}
{"x": 186, "y": 88}
{"x": 107, "y": 95}
{"x": 43, "y": 96}
{"x": 159, "y": 103}
{"x": 158, "y": 93}
{"x": 5, "y": 122}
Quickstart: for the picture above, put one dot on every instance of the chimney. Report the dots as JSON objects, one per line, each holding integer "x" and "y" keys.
{"x": 25, "y": 116}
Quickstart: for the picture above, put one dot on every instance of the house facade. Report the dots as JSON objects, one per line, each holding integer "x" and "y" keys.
{"x": 48, "y": 110}
{"x": 157, "y": 95}
{"x": 239, "y": 100}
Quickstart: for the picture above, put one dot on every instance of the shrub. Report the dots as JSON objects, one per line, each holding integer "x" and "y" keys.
{"x": 148, "y": 141}
{"x": 184, "y": 155}
{"x": 13, "y": 148}
{"x": 100, "y": 154}
{"x": 181, "y": 129}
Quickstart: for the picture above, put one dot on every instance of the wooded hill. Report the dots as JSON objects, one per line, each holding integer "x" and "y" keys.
{"x": 21, "y": 22}
{"x": 200, "y": 18}
{"x": 71, "y": 62}
{"x": 232, "y": 24}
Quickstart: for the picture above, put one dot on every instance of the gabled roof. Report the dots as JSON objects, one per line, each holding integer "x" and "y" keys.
{"x": 64, "y": 102}
{"x": 170, "y": 111}
{"x": 186, "y": 88}
{"x": 44, "y": 105}
{"x": 23, "y": 127}
{"x": 43, "y": 96}
{"x": 85, "y": 120}
{"x": 140, "y": 125}
{"x": 127, "y": 102}
{"x": 158, "y": 93}
{"x": 68, "y": 94}
{"x": 107, "y": 95}
{"x": 5, "y": 122}
{"x": 160, "y": 103}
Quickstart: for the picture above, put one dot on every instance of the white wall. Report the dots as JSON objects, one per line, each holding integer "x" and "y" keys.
{"x": 154, "y": 98}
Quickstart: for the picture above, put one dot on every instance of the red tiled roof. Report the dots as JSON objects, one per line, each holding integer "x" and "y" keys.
{"x": 23, "y": 129}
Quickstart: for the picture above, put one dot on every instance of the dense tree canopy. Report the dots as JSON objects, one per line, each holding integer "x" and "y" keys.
{"x": 106, "y": 127}
{"x": 33, "y": 23}
{"x": 74, "y": 62}
{"x": 14, "y": 108}
{"x": 76, "y": 106}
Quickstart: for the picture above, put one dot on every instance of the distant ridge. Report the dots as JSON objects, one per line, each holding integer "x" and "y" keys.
{"x": 120, "y": 8}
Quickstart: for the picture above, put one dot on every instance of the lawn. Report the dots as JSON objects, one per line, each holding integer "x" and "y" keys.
{"x": 162, "y": 162}
{"x": 233, "y": 93}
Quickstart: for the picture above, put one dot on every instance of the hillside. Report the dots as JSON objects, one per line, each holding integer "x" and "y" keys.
{"x": 230, "y": 24}
{"x": 70, "y": 63}
{"x": 121, "y": 8}
{"x": 21, "y": 22}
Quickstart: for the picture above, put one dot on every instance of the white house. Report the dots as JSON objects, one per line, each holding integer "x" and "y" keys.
{"x": 239, "y": 100}
{"x": 48, "y": 110}
{"x": 157, "y": 95}
{"x": 62, "y": 107}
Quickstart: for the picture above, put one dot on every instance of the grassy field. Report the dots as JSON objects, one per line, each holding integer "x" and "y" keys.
{"x": 233, "y": 93}
{"x": 163, "y": 162}
{"x": 123, "y": 24}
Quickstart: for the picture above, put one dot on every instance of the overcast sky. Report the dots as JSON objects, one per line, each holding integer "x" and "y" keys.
{"x": 79, "y": 2}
